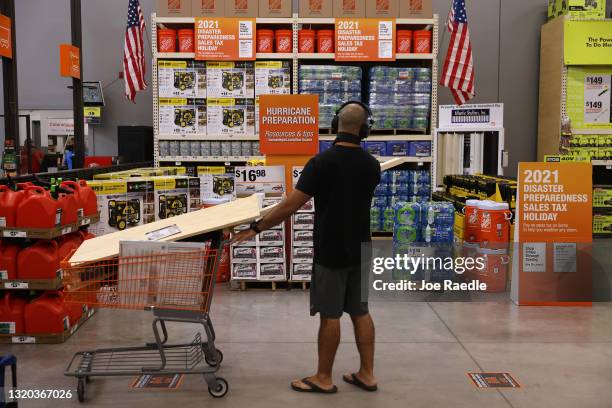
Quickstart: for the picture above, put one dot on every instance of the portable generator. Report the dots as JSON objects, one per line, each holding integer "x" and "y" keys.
{"x": 172, "y": 205}
{"x": 123, "y": 213}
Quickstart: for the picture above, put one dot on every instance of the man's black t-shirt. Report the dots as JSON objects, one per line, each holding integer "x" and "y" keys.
{"x": 342, "y": 181}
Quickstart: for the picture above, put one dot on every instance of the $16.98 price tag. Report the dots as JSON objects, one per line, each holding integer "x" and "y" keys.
{"x": 259, "y": 179}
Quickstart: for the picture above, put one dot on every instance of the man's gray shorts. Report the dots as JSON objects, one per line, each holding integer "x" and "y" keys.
{"x": 337, "y": 290}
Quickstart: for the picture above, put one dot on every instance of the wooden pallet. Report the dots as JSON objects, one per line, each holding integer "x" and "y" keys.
{"x": 274, "y": 285}
{"x": 45, "y": 338}
{"x": 48, "y": 233}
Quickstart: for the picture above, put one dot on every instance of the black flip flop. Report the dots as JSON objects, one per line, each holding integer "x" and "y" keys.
{"x": 353, "y": 380}
{"x": 314, "y": 388}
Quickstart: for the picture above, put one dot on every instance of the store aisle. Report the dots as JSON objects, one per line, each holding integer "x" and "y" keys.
{"x": 423, "y": 354}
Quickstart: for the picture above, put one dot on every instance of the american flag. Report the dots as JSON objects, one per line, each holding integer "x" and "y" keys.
{"x": 458, "y": 73}
{"x": 134, "y": 68}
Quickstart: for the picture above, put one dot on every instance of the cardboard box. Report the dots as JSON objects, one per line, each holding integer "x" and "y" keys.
{"x": 182, "y": 116}
{"x": 350, "y": 8}
{"x": 228, "y": 116}
{"x": 602, "y": 224}
{"x": 210, "y": 8}
{"x": 397, "y": 148}
{"x": 382, "y": 8}
{"x": 216, "y": 183}
{"x": 602, "y": 197}
{"x": 275, "y": 8}
{"x": 241, "y": 8}
{"x": 174, "y": 8}
{"x": 582, "y": 9}
{"x": 415, "y": 9}
{"x": 272, "y": 78}
{"x": 316, "y": 8}
{"x": 181, "y": 79}
{"x": 230, "y": 79}
{"x": 376, "y": 148}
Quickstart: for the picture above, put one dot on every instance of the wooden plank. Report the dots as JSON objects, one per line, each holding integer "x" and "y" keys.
{"x": 551, "y": 74}
{"x": 392, "y": 163}
{"x": 194, "y": 223}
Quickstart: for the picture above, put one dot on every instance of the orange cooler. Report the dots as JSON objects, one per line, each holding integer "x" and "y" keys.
{"x": 284, "y": 41}
{"x": 265, "y": 41}
{"x": 494, "y": 221}
{"x": 422, "y": 42}
{"x": 471, "y": 234}
{"x": 325, "y": 41}
{"x": 404, "y": 41}
{"x": 306, "y": 41}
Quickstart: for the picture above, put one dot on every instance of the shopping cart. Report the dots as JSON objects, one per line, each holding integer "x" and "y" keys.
{"x": 176, "y": 285}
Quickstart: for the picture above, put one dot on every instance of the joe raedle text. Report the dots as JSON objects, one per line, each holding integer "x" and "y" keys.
{"x": 422, "y": 285}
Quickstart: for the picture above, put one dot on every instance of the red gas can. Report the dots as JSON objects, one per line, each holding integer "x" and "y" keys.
{"x": 39, "y": 261}
{"x": 68, "y": 243}
{"x": 12, "y": 309}
{"x": 38, "y": 210}
{"x": 69, "y": 203}
{"x": 9, "y": 200}
{"x": 85, "y": 194}
{"x": 8, "y": 260}
{"x": 47, "y": 314}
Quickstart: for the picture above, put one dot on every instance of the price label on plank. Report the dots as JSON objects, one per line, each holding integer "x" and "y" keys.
{"x": 259, "y": 179}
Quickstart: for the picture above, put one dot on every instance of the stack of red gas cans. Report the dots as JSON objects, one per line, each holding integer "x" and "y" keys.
{"x": 28, "y": 264}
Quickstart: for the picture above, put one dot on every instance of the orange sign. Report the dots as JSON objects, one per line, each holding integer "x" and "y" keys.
{"x": 553, "y": 233}
{"x": 289, "y": 124}
{"x": 70, "y": 61}
{"x": 365, "y": 39}
{"x": 555, "y": 202}
{"x": 6, "y": 39}
{"x": 225, "y": 39}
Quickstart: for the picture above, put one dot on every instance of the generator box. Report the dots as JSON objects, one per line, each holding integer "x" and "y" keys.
{"x": 182, "y": 116}
{"x": 582, "y": 9}
{"x": 230, "y": 79}
{"x": 181, "y": 79}
{"x": 230, "y": 116}
{"x": 316, "y": 8}
{"x": 174, "y": 8}
{"x": 275, "y": 8}
{"x": 272, "y": 78}
{"x": 216, "y": 182}
{"x": 122, "y": 204}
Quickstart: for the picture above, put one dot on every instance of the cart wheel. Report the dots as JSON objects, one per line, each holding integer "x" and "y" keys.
{"x": 220, "y": 390}
{"x": 214, "y": 363}
{"x": 81, "y": 390}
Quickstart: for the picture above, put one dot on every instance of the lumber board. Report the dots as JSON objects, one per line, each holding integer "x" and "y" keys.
{"x": 391, "y": 163}
{"x": 191, "y": 224}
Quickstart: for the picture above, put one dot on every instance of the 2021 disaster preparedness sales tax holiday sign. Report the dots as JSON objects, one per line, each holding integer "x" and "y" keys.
{"x": 365, "y": 39}
{"x": 225, "y": 39}
{"x": 289, "y": 124}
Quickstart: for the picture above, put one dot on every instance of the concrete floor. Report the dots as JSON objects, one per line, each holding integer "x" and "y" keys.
{"x": 561, "y": 356}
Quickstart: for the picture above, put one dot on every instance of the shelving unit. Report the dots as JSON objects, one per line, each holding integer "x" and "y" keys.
{"x": 428, "y": 60}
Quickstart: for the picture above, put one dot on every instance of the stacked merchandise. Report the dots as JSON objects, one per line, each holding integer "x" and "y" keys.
{"x": 302, "y": 227}
{"x": 425, "y": 229}
{"x": 397, "y": 186}
{"x": 195, "y": 148}
{"x": 335, "y": 85}
{"x": 427, "y": 222}
{"x": 29, "y": 262}
{"x": 590, "y": 147}
{"x": 271, "y": 78}
{"x": 262, "y": 257}
{"x": 602, "y": 211}
{"x": 390, "y": 149}
{"x": 400, "y": 98}
{"x": 217, "y": 184}
{"x": 129, "y": 201}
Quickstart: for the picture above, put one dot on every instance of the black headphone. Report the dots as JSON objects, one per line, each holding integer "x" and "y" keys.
{"x": 364, "y": 130}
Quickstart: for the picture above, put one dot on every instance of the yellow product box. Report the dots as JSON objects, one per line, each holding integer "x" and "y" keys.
{"x": 602, "y": 197}
{"x": 581, "y": 9}
{"x": 602, "y": 224}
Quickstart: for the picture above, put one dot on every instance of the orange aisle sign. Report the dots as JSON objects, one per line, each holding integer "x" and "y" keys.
{"x": 553, "y": 234}
{"x": 70, "y": 61}
{"x": 225, "y": 39}
{"x": 365, "y": 39}
{"x": 289, "y": 124}
{"x": 6, "y": 38}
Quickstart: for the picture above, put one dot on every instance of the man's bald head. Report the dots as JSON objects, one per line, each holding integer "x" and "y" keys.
{"x": 351, "y": 118}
